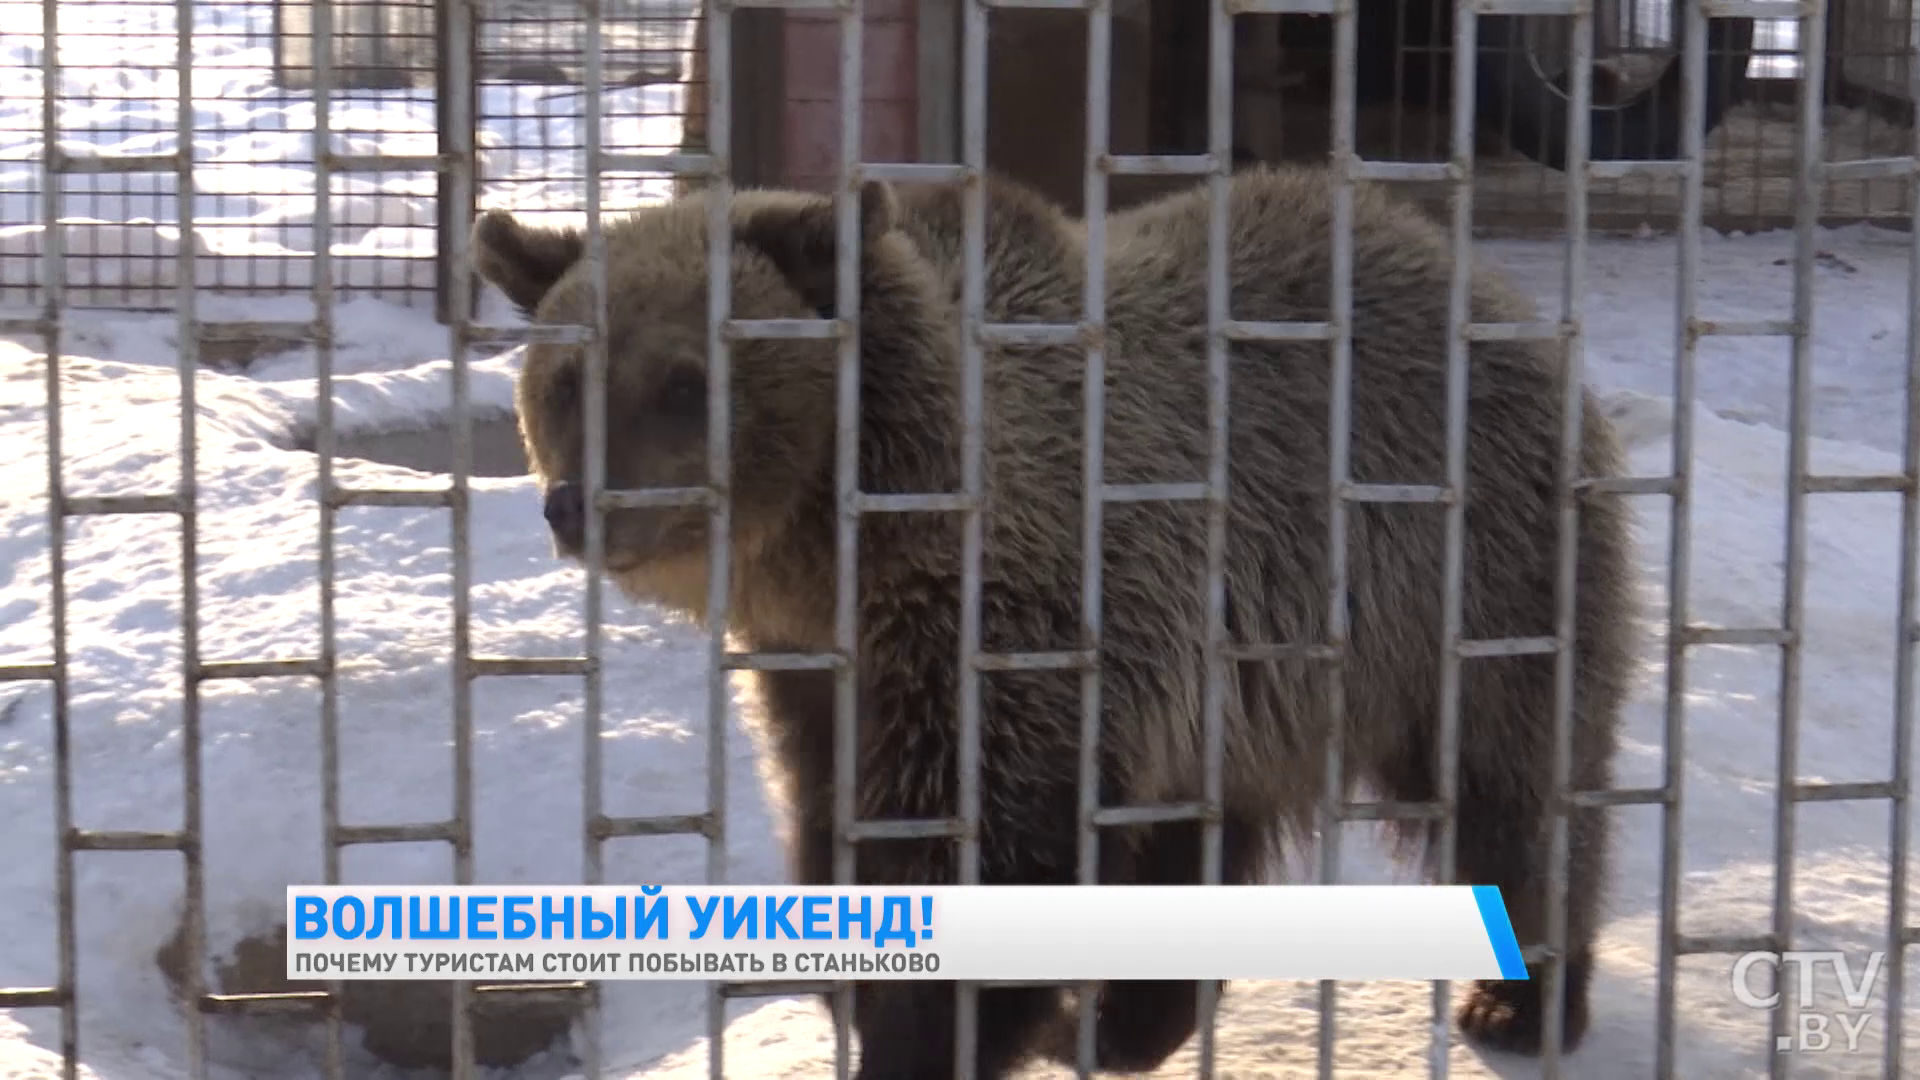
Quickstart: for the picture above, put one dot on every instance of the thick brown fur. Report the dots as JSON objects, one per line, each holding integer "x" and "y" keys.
{"x": 1154, "y": 610}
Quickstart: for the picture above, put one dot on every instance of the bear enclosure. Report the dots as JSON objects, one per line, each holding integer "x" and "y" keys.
{"x": 246, "y": 176}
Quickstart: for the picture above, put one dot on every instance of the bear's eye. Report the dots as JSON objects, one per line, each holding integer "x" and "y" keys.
{"x": 684, "y": 393}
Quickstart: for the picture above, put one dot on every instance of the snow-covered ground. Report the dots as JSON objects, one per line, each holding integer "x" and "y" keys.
{"x": 258, "y": 532}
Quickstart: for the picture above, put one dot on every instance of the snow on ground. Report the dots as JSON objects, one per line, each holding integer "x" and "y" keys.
{"x": 258, "y": 536}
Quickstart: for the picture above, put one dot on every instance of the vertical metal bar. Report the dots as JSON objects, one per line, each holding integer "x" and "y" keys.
{"x": 1093, "y": 329}
{"x": 457, "y": 144}
{"x": 594, "y": 467}
{"x": 1466, "y": 29}
{"x": 1339, "y": 431}
{"x": 187, "y": 341}
{"x": 322, "y": 291}
{"x": 53, "y": 298}
{"x": 1900, "y": 840}
{"x": 719, "y": 195}
{"x": 973, "y": 471}
{"x": 846, "y": 479}
{"x": 1579, "y": 133}
{"x": 1806, "y": 211}
{"x": 1220, "y": 104}
{"x": 1093, "y": 471}
{"x": 1693, "y": 87}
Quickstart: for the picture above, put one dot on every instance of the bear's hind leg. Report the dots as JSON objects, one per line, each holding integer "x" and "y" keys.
{"x": 907, "y": 1029}
{"x": 1141, "y": 1023}
{"x": 1502, "y": 838}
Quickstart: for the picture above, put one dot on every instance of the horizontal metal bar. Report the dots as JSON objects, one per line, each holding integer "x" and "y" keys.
{"x": 1736, "y": 635}
{"x": 1757, "y": 9}
{"x": 678, "y": 165}
{"x": 1037, "y": 5}
{"x": 1637, "y": 170}
{"x": 1896, "y": 168}
{"x": 1112, "y": 816}
{"x": 1856, "y": 485}
{"x": 1550, "y": 8}
{"x": 1620, "y": 797}
{"x": 913, "y": 172}
{"x": 795, "y": 988}
{"x": 1260, "y": 653}
{"x": 289, "y": 330}
{"x": 1392, "y": 811}
{"x": 1626, "y": 485}
{"x": 292, "y": 1001}
{"x": 1242, "y": 330}
{"x": 108, "y": 505}
{"x": 913, "y": 504}
{"x": 1405, "y": 172}
{"x": 128, "y": 840}
{"x": 262, "y": 669}
{"x": 367, "y": 163}
{"x": 791, "y": 5}
{"x": 534, "y": 334}
{"x": 656, "y": 498}
{"x": 48, "y": 997}
{"x": 516, "y": 995}
{"x": 1715, "y": 944}
{"x": 1032, "y": 334}
{"x": 1742, "y": 327}
{"x": 1528, "y": 646}
{"x": 1139, "y": 493}
{"x": 1280, "y": 7}
{"x": 417, "y": 499}
{"x": 1396, "y": 493}
{"x": 416, "y": 833}
{"x": 27, "y": 672}
{"x": 770, "y": 661}
{"x": 1157, "y": 164}
{"x": 1524, "y": 331}
{"x": 783, "y": 329}
{"x": 493, "y": 667}
{"x": 948, "y": 829}
{"x": 1852, "y": 792}
{"x": 1073, "y": 660}
{"x": 70, "y": 164}
{"x": 605, "y": 827}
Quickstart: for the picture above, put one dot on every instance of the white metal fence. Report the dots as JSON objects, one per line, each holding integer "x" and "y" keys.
{"x": 454, "y": 161}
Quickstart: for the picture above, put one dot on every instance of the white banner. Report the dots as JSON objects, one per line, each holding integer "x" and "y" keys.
{"x": 1042, "y": 933}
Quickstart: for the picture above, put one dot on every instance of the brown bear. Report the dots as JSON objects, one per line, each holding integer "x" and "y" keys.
{"x": 1153, "y": 554}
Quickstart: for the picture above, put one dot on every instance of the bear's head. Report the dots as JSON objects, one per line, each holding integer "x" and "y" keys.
{"x": 656, "y": 419}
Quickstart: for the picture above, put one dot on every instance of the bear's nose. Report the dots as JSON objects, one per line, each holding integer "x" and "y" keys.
{"x": 566, "y": 514}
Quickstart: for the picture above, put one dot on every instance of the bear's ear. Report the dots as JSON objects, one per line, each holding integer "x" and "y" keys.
{"x": 523, "y": 261}
{"x": 802, "y": 240}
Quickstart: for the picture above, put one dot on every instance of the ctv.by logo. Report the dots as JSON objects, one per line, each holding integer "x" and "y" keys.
{"x": 1813, "y": 1029}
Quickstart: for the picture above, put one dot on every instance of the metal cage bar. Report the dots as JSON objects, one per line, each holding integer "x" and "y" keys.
{"x": 53, "y": 311}
{"x": 328, "y": 565}
{"x": 1093, "y": 327}
{"x": 1680, "y": 533}
{"x": 1341, "y": 161}
{"x": 1807, "y": 187}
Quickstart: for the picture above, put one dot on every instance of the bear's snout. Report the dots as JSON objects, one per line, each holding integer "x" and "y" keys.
{"x": 566, "y": 515}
